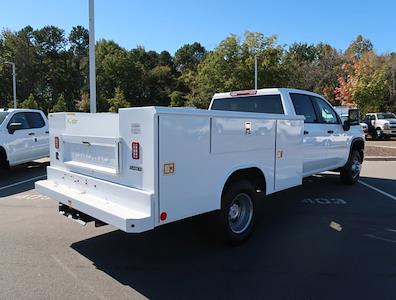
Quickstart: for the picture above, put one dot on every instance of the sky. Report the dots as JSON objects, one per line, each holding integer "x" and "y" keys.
{"x": 168, "y": 25}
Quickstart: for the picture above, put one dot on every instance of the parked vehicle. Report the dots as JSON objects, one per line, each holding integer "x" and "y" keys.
{"x": 150, "y": 166}
{"x": 24, "y": 136}
{"x": 381, "y": 125}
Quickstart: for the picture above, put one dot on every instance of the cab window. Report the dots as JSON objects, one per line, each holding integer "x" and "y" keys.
{"x": 35, "y": 120}
{"x": 303, "y": 106}
{"x": 19, "y": 118}
{"x": 325, "y": 112}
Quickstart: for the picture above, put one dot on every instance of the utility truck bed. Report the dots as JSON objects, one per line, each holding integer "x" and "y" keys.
{"x": 184, "y": 158}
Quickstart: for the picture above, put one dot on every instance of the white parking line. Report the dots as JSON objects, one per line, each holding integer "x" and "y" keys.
{"x": 378, "y": 190}
{"x": 22, "y": 182}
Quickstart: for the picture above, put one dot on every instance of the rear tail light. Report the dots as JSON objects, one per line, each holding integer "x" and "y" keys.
{"x": 135, "y": 150}
{"x": 56, "y": 141}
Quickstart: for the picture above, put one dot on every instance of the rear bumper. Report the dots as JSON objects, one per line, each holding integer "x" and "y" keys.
{"x": 126, "y": 208}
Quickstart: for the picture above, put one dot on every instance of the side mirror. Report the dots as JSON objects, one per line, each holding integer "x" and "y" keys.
{"x": 13, "y": 127}
{"x": 353, "y": 117}
{"x": 346, "y": 125}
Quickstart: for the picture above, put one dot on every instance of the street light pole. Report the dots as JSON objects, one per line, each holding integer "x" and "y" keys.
{"x": 255, "y": 72}
{"x": 92, "y": 66}
{"x": 13, "y": 81}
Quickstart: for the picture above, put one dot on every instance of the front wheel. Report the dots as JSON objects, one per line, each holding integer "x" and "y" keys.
{"x": 237, "y": 211}
{"x": 378, "y": 134}
{"x": 3, "y": 160}
{"x": 350, "y": 173}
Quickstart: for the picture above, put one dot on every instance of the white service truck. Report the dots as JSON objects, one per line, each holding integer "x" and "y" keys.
{"x": 24, "y": 136}
{"x": 149, "y": 166}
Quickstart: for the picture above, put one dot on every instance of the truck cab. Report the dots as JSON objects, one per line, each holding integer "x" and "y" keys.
{"x": 327, "y": 141}
{"x": 24, "y": 136}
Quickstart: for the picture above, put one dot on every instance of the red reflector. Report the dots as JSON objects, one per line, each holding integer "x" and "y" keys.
{"x": 56, "y": 142}
{"x": 163, "y": 216}
{"x": 135, "y": 150}
{"x": 243, "y": 93}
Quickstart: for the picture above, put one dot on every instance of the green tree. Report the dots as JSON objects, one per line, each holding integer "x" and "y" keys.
{"x": 83, "y": 103}
{"x": 370, "y": 89}
{"x": 177, "y": 99}
{"x": 359, "y": 46}
{"x": 230, "y": 66}
{"x": 30, "y": 102}
{"x": 189, "y": 56}
{"x": 60, "y": 105}
{"x": 118, "y": 101}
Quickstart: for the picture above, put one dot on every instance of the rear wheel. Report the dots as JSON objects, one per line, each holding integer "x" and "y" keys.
{"x": 350, "y": 173}
{"x": 237, "y": 211}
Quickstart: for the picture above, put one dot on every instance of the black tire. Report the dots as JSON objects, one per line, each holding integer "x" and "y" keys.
{"x": 350, "y": 173}
{"x": 378, "y": 134}
{"x": 238, "y": 211}
{"x": 3, "y": 160}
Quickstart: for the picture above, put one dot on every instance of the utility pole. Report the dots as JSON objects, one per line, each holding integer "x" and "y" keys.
{"x": 92, "y": 66}
{"x": 13, "y": 82}
{"x": 255, "y": 72}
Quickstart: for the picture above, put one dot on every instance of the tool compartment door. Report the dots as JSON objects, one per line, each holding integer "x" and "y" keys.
{"x": 288, "y": 154}
{"x": 185, "y": 185}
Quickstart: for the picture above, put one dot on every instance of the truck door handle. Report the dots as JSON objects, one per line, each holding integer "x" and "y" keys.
{"x": 31, "y": 133}
{"x": 330, "y": 131}
{"x": 47, "y": 132}
{"x": 306, "y": 132}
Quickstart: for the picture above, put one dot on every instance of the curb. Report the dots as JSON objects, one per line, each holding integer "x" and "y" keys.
{"x": 380, "y": 158}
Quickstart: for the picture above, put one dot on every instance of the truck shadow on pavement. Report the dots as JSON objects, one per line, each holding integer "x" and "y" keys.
{"x": 293, "y": 253}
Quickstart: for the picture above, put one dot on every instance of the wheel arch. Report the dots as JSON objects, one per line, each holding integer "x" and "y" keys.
{"x": 253, "y": 174}
{"x": 357, "y": 144}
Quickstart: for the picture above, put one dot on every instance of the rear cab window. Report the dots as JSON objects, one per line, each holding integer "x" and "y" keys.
{"x": 271, "y": 104}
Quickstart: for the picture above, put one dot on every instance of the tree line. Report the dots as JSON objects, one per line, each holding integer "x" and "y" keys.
{"x": 52, "y": 71}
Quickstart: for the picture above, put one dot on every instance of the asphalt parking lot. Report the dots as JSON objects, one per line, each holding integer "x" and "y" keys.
{"x": 322, "y": 240}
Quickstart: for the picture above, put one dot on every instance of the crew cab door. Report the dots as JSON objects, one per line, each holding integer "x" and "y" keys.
{"x": 20, "y": 143}
{"x": 39, "y": 132}
{"x": 315, "y": 137}
{"x": 336, "y": 138}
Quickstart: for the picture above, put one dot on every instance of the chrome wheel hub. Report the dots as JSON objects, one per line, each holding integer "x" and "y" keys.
{"x": 356, "y": 167}
{"x": 240, "y": 213}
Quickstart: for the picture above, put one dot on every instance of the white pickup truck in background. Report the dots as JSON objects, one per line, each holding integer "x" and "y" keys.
{"x": 24, "y": 136}
{"x": 150, "y": 166}
{"x": 381, "y": 125}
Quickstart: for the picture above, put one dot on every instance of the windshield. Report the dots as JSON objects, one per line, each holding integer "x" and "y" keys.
{"x": 386, "y": 116}
{"x": 3, "y": 115}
